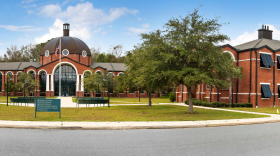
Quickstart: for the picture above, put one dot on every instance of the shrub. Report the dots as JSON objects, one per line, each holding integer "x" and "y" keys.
{"x": 223, "y": 104}
{"x": 242, "y": 105}
{"x": 172, "y": 97}
{"x": 227, "y": 105}
{"x": 249, "y": 105}
{"x": 194, "y": 101}
{"x": 205, "y": 99}
{"x": 199, "y": 102}
{"x": 236, "y": 105}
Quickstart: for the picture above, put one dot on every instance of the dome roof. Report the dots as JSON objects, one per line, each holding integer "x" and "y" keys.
{"x": 72, "y": 44}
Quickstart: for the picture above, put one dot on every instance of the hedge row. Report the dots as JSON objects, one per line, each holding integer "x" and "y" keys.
{"x": 218, "y": 104}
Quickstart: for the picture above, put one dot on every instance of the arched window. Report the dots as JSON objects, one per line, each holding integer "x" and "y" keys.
{"x": 86, "y": 91}
{"x": 68, "y": 81}
{"x": 33, "y": 74}
{"x": 42, "y": 78}
{"x": 10, "y": 75}
{"x": 0, "y": 82}
{"x": 110, "y": 82}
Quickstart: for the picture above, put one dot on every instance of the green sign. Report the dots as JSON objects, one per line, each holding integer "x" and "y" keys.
{"x": 48, "y": 105}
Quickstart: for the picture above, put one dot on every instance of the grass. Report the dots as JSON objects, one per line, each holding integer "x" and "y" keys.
{"x": 120, "y": 113}
{"x": 114, "y": 100}
{"x": 270, "y": 110}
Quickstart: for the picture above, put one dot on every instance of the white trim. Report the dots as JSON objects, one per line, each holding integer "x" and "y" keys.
{"x": 98, "y": 71}
{"x": 265, "y": 68}
{"x": 265, "y": 98}
{"x": 31, "y": 70}
{"x": 42, "y": 70}
{"x": 119, "y": 73}
{"x": 264, "y": 83}
{"x": 232, "y": 56}
{"x": 86, "y": 71}
{"x": 177, "y": 92}
{"x": 63, "y": 50}
{"x": 200, "y": 93}
{"x": 19, "y": 72}
{"x": 48, "y": 53}
{"x": 207, "y": 97}
{"x": 224, "y": 97}
{"x": 185, "y": 92}
{"x": 244, "y": 60}
{"x": 215, "y": 93}
{"x": 8, "y": 72}
{"x": 112, "y": 73}
{"x": 265, "y": 53}
{"x": 85, "y": 53}
{"x": 56, "y": 66}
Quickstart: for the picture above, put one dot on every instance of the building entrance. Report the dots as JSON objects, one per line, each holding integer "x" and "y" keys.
{"x": 68, "y": 81}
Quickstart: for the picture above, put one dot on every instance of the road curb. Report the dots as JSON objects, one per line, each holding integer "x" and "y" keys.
{"x": 136, "y": 127}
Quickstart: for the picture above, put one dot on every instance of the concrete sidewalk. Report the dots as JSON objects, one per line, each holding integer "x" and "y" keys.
{"x": 141, "y": 125}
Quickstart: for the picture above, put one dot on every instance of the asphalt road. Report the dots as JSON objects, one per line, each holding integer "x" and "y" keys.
{"x": 261, "y": 139}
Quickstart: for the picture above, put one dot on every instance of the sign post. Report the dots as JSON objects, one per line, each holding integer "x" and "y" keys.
{"x": 48, "y": 105}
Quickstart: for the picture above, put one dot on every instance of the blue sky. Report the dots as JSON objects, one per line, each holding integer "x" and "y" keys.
{"x": 109, "y": 22}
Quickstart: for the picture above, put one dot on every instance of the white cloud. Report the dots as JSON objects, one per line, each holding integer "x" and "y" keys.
{"x": 26, "y": 35}
{"x": 104, "y": 32}
{"x": 138, "y": 30}
{"x": 19, "y": 28}
{"x": 146, "y": 25}
{"x": 27, "y": 1}
{"x": 1, "y": 44}
{"x": 75, "y": 31}
{"x": 82, "y": 17}
{"x": 246, "y": 36}
{"x": 110, "y": 26}
{"x": 97, "y": 31}
{"x": 84, "y": 13}
{"x": 65, "y": 2}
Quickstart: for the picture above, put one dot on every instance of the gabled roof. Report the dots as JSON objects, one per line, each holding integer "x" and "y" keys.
{"x": 28, "y": 64}
{"x": 18, "y": 65}
{"x": 109, "y": 66}
{"x": 9, "y": 65}
{"x": 273, "y": 45}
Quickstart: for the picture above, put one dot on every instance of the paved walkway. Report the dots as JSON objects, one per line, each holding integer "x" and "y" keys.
{"x": 139, "y": 125}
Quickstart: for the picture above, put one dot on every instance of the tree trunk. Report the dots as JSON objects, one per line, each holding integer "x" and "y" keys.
{"x": 190, "y": 99}
{"x": 150, "y": 100}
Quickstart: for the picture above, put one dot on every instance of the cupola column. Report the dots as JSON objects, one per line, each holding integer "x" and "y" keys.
{"x": 66, "y": 29}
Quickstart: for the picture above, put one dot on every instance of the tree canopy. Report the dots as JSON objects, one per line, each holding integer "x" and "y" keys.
{"x": 184, "y": 52}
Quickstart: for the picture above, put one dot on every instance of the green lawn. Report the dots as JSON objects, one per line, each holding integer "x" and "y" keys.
{"x": 270, "y": 110}
{"x": 114, "y": 100}
{"x": 120, "y": 113}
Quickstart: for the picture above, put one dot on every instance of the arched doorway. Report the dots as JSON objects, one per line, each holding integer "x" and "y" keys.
{"x": 68, "y": 81}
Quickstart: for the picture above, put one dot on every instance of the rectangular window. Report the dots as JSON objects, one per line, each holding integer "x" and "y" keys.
{"x": 278, "y": 91}
{"x": 278, "y": 62}
{"x": 266, "y": 92}
{"x": 266, "y": 61}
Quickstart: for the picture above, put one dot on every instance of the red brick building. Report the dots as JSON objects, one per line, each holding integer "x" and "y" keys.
{"x": 260, "y": 60}
{"x": 75, "y": 61}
